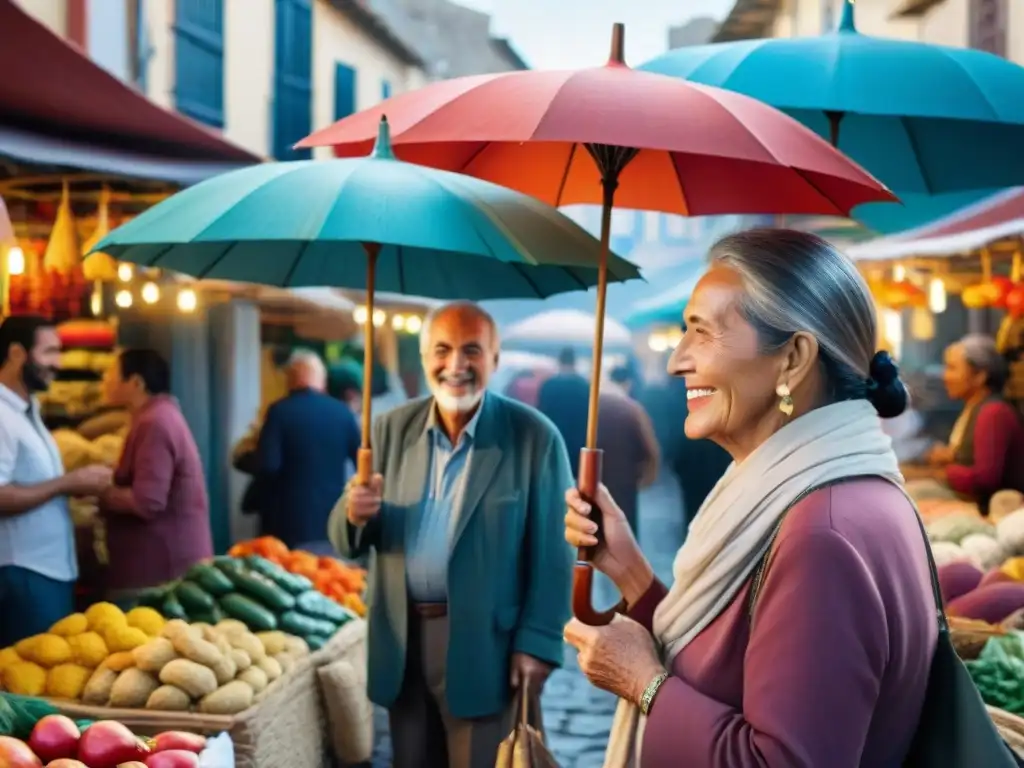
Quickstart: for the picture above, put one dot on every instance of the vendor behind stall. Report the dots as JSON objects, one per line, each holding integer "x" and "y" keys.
{"x": 157, "y": 514}
{"x": 985, "y": 453}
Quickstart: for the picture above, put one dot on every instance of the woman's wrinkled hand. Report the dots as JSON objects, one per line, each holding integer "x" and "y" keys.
{"x": 619, "y": 657}
{"x": 618, "y": 553}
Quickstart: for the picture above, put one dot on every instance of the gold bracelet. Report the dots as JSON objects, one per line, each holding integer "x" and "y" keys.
{"x": 650, "y": 692}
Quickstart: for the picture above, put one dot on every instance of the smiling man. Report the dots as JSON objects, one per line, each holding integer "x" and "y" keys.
{"x": 472, "y": 575}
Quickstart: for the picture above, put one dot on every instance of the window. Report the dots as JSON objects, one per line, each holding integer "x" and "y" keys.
{"x": 199, "y": 60}
{"x": 344, "y": 91}
{"x": 141, "y": 50}
{"x": 107, "y": 38}
{"x": 293, "y": 78}
{"x": 989, "y": 20}
{"x": 828, "y": 16}
{"x": 385, "y": 90}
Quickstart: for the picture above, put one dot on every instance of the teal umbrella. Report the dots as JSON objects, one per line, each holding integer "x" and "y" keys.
{"x": 665, "y": 308}
{"x": 922, "y": 118}
{"x": 371, "y": 223}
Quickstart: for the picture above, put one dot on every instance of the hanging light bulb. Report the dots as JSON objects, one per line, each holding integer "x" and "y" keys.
{"x": 657, "y": 342}
{"x": 359, "y": 315}
{"x": 937, "y": 295}
{"x": 187, "y": 300}
{"x": 413, "y": 323}
{"x": 15, "y": 261}
{"x": 899, "y": 273}
{"x": 123, "y": 299}
{"x": 398, "y": 322}
{"x": 150, "y": 293}
{"x": 125, "y": 272}
{"x": 379, "y": 316}
{"x": 96, "y": 299}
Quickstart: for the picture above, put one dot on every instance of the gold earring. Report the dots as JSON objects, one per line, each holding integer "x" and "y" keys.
{"x": 786, "y": 399}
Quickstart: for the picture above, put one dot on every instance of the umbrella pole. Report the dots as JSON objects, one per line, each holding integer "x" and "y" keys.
{"x": 364, "y": 459}
{"x": 834, "y": 121}
{"x": 610, "y": 161}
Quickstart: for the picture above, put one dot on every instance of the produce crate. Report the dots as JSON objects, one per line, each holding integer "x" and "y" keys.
{"x": 287, "y": 728}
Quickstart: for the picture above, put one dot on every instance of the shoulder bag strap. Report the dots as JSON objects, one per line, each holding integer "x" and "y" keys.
{"x": 762, "y": 568}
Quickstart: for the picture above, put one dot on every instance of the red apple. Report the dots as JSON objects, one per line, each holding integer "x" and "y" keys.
{"x": 190, "y": 742}
{"x": 173, "y": 758}
{"x": 108, "y": 743}
{"x": 64, "y": 762}
{"x": 15, "y": 753}
{"x": 54, "y": 737}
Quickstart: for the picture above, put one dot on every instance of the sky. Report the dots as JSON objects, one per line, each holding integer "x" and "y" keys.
{"x": 568, "y": 34}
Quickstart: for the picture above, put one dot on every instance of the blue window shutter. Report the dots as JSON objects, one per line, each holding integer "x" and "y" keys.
{"x": 344, "y": 90}
{"x": 292, "y": 113}
{"x": 199, "y": 60}
{"x": 385, "y": 90}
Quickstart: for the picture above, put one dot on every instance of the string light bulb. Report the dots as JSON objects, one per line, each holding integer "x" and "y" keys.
{"x": 379, "y": 316}
{"x": 150, "y": 293}
{"x": 413, "y": 323}
{"x": 187, "y": 300}
{"x": 125, "y": 272}
{"x": 15, "y": 261}
{"x": 359, "y": 315}
{"x": 123, "y": 299}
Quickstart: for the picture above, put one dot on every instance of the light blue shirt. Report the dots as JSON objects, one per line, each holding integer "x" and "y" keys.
{"x": 42, "y": 539}
{"x": 430, "y": 532}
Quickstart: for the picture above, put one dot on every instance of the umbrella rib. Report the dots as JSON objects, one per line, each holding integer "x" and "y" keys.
{"x": 400, "y": 265}
{"x": 213, "y": 264}
{"x": 916, "y": 149}
{"x": 682, "y": 187}
{"x": 167, "y": 248}
{"x": 529, "y": 280}
{"x": 286, "y": 282}
{"x": 838, "y": 211}
{"x": 565, "y": 175}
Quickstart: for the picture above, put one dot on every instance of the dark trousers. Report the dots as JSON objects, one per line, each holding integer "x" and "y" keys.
{"x": 31, "y": 603}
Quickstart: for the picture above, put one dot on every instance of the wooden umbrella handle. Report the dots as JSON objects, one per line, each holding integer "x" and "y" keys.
{"x": 591, "y": 460}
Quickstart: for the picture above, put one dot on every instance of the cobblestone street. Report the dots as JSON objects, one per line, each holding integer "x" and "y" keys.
{"x": 577, "y": 717}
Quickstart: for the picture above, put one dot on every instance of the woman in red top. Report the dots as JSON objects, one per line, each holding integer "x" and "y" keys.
{"x": 985, "y": 453}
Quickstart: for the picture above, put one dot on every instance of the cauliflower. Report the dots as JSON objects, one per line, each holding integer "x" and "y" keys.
{"x": 67, "y": 681}
{"x": 103, "y": 615}
{"x": 124, "y": 638}
{"x": 146, "y": 619}
{"x": 69, "y": 626}
{"x": 983, "y": 550}
{"x": 955, "y": 527}
{"x": 88, "y": 649}
{"x": 945, "y": 552}
{"x": 25, "y": 679}
{"x": 1010, "y": 532}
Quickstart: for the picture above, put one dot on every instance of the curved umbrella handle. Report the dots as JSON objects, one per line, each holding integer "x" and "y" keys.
{"x": 583, "y": 574}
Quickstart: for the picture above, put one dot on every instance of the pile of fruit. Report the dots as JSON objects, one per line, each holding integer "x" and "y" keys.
{"x": 343, "y": 583}
{"x": 254, "y": 591}
{"x": 33, "y": 734}
{"x": 60, "y": 662}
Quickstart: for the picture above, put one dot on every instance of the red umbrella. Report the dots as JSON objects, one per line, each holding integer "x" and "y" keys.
{"x": 612, "y": 135}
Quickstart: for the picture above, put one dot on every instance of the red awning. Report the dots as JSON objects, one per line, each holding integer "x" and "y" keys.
{"x": 48, "y": 85}
{"x": 988, "y": 222}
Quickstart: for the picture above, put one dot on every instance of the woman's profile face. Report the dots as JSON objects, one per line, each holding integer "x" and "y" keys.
{"x": 961, "y": 379}
{"x": 730, "y": 385}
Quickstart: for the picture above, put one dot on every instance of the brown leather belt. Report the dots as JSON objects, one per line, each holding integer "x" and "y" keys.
{"x": 430, "y": 610}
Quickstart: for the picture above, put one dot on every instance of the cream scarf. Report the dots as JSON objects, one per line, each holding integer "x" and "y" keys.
{"x": 733, "y": 528}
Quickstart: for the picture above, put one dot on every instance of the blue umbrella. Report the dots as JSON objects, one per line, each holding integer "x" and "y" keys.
{"x": 922, "y": 118}
{"x": 666, "y": 307}
{"x": 371, "y": 223}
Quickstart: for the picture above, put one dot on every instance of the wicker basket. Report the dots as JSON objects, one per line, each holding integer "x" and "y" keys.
{"x": 287, "y": 728}
{"x": 1010, "y": 727}
{"x": 969, "y": 636}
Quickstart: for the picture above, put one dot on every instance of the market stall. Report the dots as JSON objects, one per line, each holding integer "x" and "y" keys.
{"x": 246, "y": 645}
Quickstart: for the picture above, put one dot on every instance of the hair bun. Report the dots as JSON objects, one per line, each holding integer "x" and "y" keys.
{"x": 885, "y": 390}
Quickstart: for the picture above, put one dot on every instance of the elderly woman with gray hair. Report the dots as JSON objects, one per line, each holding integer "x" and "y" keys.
{"x": 985, "y": 453}
{"x": 801, "y": 624}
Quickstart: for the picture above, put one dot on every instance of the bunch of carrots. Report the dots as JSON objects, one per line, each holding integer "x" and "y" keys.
{"x": 345, "y": 584}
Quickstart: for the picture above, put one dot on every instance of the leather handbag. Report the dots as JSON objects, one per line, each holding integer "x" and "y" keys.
{"x": 955, "y": 729}
{"x": 525, "y": 746}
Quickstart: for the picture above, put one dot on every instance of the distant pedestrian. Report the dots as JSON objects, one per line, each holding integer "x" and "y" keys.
{"x": 563, "y": 398}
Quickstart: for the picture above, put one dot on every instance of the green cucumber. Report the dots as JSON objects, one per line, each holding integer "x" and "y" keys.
{"x": 211, "y": 616}
{"x": 249, "y": 612}
{"x": 300, "y": 625}
{"x": 171, "y": 608}
{"x": 319, "y": 606}
{"x": 211, "y": 579}
{"x": 227, "y": 564}
{"x": 263, "y": 590}
{"x": 193, "y": 598}
{"x": 154, "y": 596}
{"x": 293, "y": 583}
{"x": 316, "y": 642}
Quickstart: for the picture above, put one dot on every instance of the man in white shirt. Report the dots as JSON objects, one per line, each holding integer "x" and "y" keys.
{"x": 38, "y": 567}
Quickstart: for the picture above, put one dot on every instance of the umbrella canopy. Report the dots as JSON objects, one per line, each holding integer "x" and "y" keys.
{"x": 565, "y": 326}
{"x": 693, "y": 150}
{"x": 666, "y": 307}
{"x": 922, "y": 118}
{"x": 306, "y": 223}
